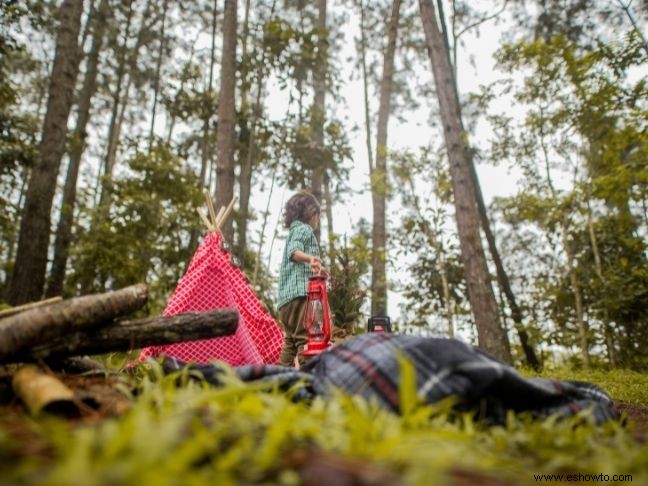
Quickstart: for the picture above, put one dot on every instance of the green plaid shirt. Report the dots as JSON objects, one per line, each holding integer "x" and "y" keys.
{"x": 293, "y": 276}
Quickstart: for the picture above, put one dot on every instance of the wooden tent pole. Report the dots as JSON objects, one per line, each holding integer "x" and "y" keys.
{"x": 205, "y": 221}
{"x": 227, "y": 212}
{"x": 210, "y": 206}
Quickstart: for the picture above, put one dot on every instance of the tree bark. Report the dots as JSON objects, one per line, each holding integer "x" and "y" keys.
{"x": 609, "y": 335}
{"x": 27, "y": 329}
{"x": 31, "y": 259}
{"x": 328, "y": 205}
{"x": 121, "y": 72}
{"x": 25, "y": 307}
{"x": 226, "y": 117}
{"x": 121, "y": 101}
{"x": 64, "y": 229}
{"x": 502, "y": 277}
{"x": 128, "y": 335}
{"x": 365, "y": 86}
{"x": 266, "y": 213}
{"x": 319, "y": 103}
{"x": 247, "y": 168}
{"x": 246, "y": 142}
{"x": 158, "y": 68}
{"x": 248, "y": 154}
{"x": 492, "y": 337}
{"x": 206, "y": 145}
{"x": 379, "y": 174}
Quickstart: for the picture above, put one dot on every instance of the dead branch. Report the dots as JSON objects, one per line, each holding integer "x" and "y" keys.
{"x": 22, "y": 331}
{"x": 127, "y": 335}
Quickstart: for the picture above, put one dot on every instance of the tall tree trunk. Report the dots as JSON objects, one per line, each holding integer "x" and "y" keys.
{"x": 502, "y": 277}
{"x": 206, "y": 145}
{"x": 247, "y": 168}
{"x": 179, "y": 92}
{"x": 318, "y": 111}
{"x": 328, "y": 205}
{"x": 578, "y": 301}
{"x": 379, "y": 174}
{"x": 206, "y": 148}
{"x": 581, "y": 323}
{"x": 247, "y": 149}
{"x": 365, "y": 86}
{"x": 13, "y": 237}
{"x": 226, "y": 116}
{"x": 266, "y": 213}
{"x": 121, "y": 103}
{"x": 319, "y": 101}
{"x": 158, "y": 68}
{"x": 64, "y": 229}
{"x": 33, "y": 241}
{"x": 609, "y": 336}
{"x": 492, "y": 337}
{"x": 116, "y": 101}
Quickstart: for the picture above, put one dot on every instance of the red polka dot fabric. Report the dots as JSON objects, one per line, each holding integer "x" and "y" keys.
{"x": 212, "y": 282}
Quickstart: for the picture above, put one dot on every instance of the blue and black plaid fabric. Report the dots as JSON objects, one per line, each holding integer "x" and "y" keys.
{"x": 369, "y": 365}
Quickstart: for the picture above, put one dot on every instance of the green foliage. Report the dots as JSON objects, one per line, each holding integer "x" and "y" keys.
{"x": 435, "y": 258}
{"x": 183, "y": 431}
{"x": 349, "y": 265}
{"x": 18, "y": 128}
{"x": 302, "y": 156}
{"x": 144, "y": 235}
{"x": 586, "y": 116}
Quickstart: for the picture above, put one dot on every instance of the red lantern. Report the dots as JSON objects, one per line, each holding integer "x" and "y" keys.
{"x": 317, "y": 319}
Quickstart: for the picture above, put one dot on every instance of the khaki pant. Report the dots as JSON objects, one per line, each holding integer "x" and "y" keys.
{"x": 291, "y": 318}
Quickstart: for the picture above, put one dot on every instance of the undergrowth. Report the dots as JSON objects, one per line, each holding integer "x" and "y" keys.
{"x": 181, "y": 430}
{"x": 625, "y": 385}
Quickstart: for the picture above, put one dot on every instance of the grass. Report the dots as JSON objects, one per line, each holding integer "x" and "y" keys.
{"x": 625, "y": 385}
{"x": 181, "y": 431}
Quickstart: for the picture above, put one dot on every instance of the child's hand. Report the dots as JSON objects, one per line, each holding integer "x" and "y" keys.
{"x": 315, "y": 264}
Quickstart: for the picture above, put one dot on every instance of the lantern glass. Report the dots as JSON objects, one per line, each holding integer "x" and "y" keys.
{"x": 315, "y": 320}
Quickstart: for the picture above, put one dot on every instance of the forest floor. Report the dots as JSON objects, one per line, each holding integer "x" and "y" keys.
{"x": 144, "y": 428}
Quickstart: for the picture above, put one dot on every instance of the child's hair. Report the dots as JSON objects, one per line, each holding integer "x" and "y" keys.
{"x": 300, "y": 207}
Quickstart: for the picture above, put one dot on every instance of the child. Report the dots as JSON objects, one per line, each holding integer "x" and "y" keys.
{"x": 300, "y": 260}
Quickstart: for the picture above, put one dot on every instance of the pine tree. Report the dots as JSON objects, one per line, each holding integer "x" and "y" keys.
{"x": 492, "y": 337}
{"x": 226, "y": 116}
{"x": 28, "y": 277}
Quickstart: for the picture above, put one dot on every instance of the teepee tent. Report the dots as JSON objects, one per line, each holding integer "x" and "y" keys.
{"x": 212, "y": 281}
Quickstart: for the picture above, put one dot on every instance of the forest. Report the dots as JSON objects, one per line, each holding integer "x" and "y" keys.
{"x": 117, "y": 116}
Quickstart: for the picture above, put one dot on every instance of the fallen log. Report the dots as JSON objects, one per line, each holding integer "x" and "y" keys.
{"x": 26, "y": 329}
{"x": 128, "y": 335}
{"x": 31, "y": 305}
{"x": 43, "y": 393}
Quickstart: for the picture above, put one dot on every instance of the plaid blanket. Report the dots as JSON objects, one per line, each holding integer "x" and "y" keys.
{"x": 370, "y": 365}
